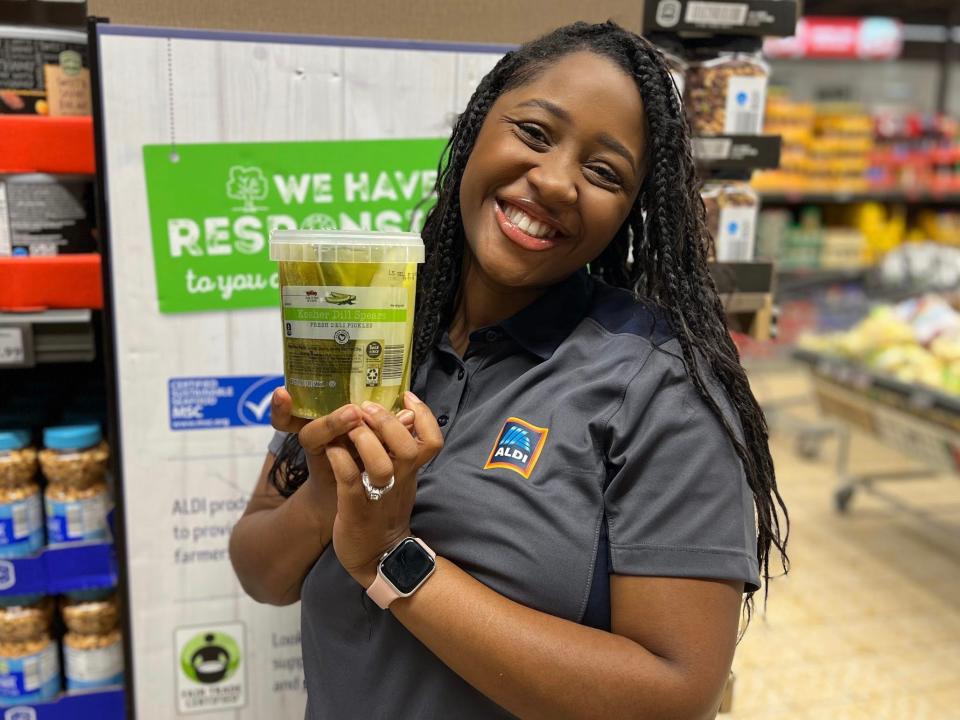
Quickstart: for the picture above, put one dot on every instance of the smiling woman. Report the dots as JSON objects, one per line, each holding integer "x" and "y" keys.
{"x": 573, "y": 508}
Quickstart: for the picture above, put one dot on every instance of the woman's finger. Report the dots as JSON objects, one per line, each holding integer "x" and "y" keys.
{"x": 428, "y": 431}
{"x": 281, "y": 412}
{"x": 394, "y": 435}
{"x": 376, "y": 462}
{"x": 317, "y": 434}
{"x": 352, "y": 500}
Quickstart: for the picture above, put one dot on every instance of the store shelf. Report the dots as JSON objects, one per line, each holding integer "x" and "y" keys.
{"x": 737, "y": 153}
{"x": 57, "y": 145}
{"x": 743, "y": 17}
{"x": 920, "y": 400}
{"x": 743, "y": 277}
{"x": 107, "y": 704}
{"x": 59, "y": 281}
{"x": 59, "y": 569}
{"x": 53, "y": 336}
{"x": 770, "y": 198}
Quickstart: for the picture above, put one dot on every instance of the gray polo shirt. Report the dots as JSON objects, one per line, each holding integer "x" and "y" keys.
{"x": 575, "y": 447}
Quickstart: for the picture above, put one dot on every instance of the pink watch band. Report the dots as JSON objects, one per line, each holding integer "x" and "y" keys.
{"x": 382, "y": 592}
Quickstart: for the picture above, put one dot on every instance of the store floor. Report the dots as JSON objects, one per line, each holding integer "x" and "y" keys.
{"x": 867, "y": 624}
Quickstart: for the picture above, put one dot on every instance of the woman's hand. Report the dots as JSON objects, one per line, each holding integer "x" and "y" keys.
{"x": 316, "y": 435}
{"x": 364, "y": 529}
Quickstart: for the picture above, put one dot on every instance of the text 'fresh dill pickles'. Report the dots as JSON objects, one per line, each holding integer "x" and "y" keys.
{"x": 347, "y": 300}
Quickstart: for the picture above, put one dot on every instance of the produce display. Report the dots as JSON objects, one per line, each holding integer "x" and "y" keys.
{"x": 916, "y": 341}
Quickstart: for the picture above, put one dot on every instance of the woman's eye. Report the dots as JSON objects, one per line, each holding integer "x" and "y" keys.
{"x": 532, "y": 133}
{"x": 606, "y": 174}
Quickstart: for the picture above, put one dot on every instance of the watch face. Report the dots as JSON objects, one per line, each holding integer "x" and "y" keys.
{"x": 407, "y": 566}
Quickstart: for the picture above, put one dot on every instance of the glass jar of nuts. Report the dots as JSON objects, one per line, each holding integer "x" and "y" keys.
{"x": 29, "y": 660}
{"x": 74, "y": 462}
{"x": 92, "y": 646}
{"x": 732, "y": 207}
{"x": 21, "y": 513}
{"x": 727, "y": 95}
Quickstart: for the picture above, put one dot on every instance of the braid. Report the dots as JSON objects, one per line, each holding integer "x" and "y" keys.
{"x": 665, "y": 232}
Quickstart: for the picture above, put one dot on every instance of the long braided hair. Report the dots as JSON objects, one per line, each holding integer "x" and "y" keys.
{"x": 665, "y": 231}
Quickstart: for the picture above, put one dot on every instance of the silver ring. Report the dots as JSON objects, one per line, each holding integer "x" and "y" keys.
{"x": 374, "y": 493}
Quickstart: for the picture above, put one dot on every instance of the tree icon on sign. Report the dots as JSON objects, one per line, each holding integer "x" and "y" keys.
{"x": 247, "y": 184}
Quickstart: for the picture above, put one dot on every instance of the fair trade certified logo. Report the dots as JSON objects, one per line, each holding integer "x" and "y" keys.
{"x": 518, "y": 447}
{"x": 210, "y": 673}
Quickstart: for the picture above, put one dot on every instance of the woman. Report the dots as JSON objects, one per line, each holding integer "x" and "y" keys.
{"x": 586, "y": 465}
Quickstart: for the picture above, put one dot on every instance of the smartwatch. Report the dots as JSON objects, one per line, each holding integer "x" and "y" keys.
{"x": 402, "y": 571}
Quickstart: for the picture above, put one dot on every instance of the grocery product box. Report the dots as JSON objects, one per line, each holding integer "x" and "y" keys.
{"x": 43, "y": 71}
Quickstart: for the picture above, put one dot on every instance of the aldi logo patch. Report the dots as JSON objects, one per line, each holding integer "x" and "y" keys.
{"x": 518, "y": 447}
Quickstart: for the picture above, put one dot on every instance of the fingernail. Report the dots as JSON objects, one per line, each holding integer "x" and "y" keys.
{"x": 413, "y": 397}
{"x": 350, "y": 415}
{"x": 370, "y": 407}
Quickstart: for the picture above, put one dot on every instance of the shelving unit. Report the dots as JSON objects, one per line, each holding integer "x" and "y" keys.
{"x": 769, "y": 198}
{"x": 57, "y": 281}
{"x": 702, "y": 29}
{"x": 107, "y": 704}
{"x": 53, "y": 336}
{"x": 57, "y": 145}
{"x": 48, "y": 315}
{"x": 59, "y": 569}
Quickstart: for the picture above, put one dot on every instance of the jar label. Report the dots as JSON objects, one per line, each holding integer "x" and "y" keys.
{"x": 93, "y": 668}
{"x": 30, "y": 677}
{"x": 21, "y": 527}
{"x": 735, "y": 236}
{"x": 73, "y": 520}
{"x": 746, "y": 102}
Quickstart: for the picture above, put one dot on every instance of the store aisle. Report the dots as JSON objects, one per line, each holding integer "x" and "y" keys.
{"x": 867, "y": 625}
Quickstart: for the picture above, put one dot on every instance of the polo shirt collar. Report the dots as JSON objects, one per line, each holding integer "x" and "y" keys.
{"x": 544, "y": 324}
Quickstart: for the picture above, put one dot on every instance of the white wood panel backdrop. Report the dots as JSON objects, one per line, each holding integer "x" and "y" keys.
{"x": 223, "y": 91}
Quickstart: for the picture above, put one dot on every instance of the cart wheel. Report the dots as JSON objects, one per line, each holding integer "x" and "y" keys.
{"x": 808, "y": 446}
{"x": 841, "y": 499}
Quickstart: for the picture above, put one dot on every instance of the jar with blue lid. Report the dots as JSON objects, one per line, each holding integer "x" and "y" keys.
{"x": 29, "y": 657}
{"x": 21, "y": 511}
{"x": 74, "y": 461}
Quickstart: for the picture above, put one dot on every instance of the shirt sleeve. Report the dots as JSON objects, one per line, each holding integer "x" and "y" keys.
{"x": 276, "y": 442}
{"x": 677, "y": 500}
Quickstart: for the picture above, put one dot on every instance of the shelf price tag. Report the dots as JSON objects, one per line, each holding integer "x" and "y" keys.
{"x": 13, "y": 346}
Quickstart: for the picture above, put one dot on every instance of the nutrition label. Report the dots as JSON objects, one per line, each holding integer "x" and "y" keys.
{"x": 344, "y": 335}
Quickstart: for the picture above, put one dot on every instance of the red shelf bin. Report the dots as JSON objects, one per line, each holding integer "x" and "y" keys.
{"x": 61, "y": 281}
{"x": 56, "y": 145}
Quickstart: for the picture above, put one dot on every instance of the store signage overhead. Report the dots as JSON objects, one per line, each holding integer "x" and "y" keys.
{"x": 753, "y": 17}
{"x": 844, "y": 38}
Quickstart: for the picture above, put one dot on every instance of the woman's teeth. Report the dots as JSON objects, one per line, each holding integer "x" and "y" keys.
{"x": 526, "y": 223}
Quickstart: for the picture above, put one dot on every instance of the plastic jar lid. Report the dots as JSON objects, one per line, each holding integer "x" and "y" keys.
{"x": 13, "y": 440}
{"x": 72, "y": 437}
{"x": 345, "y": 246}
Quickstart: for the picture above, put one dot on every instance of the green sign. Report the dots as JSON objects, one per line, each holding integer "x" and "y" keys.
{"x": 212, "y": 208}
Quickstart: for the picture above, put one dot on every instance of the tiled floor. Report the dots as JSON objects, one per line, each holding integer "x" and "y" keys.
{"x": 867, "y": 624}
